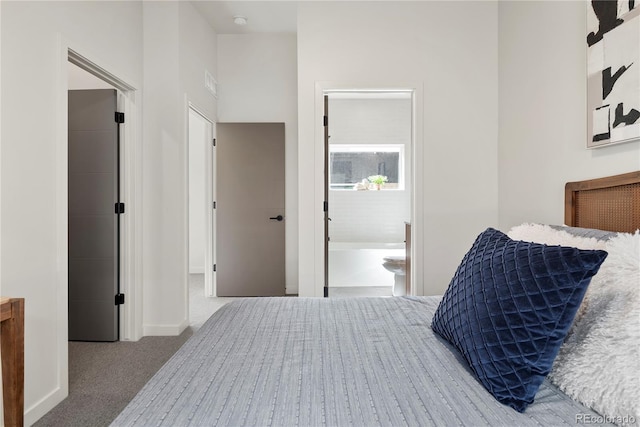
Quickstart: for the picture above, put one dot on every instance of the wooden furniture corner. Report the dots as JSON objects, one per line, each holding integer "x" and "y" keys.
{"x": 12, "y": 353}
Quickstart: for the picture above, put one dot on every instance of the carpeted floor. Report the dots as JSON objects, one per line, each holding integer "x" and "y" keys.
{"x": 104, "y": 377}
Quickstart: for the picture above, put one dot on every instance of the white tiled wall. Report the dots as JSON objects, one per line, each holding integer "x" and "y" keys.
{"x": 370, "y": 216}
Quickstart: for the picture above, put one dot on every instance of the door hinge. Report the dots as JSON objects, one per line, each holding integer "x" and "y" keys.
{"x": 215, "y": 267}
{"x": 325, "y": 206}
{"x": 214, "y": 142}
{"x": 119, "y": 208}
{"x": 119, "y": 299}
{"x": 119, "y": 117}
{"x": 326, "y": 120}
{"x": 214, "y": 205}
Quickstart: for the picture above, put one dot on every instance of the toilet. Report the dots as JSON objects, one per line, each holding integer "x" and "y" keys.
{"x": 398, "y": 266}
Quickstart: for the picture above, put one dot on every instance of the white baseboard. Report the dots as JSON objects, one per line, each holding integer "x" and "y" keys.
{"x": 196, "y": 270}
{"x": 164, "y": 330}
{"x": 44, "y": 405}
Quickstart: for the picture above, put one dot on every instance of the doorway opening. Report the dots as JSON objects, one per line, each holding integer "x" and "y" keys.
{"x": 94, "y": 208}
{"x": 369, "y": 192}
{"x": 202, "y": 217}
{"x": 77, "y": 72}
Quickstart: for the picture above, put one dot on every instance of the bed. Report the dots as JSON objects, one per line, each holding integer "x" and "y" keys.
{"x": 367, "y": 361}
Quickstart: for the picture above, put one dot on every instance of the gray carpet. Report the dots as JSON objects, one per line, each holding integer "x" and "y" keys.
{"x": 104, "y": 377}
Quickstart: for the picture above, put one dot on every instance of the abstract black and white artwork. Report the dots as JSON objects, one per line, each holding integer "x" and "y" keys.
{"x": 613, "y": 71}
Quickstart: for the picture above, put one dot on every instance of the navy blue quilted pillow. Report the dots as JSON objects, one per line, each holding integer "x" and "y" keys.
{"x": 509, "y": 307}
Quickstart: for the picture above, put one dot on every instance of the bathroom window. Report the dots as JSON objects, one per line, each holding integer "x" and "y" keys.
{"x": 350, "y": 164}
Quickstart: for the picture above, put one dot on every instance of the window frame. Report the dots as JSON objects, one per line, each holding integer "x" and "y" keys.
{"x": 369, "y": 148}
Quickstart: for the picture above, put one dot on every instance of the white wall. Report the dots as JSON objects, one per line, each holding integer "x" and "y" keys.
{"x": 198, "y": 51}
{"x": 33, "y": 71}
{"x": 164, "y": 180}
{"x": 1, "y": 293}
{"x": 178, "y": 46}
{"x": 448, "y": 50}
{"x": 175, "y": 44}
{"x": 371, "y": 216}
{"x": 257, "y": 77}
{"x": 197, "y": 139}
{"x": 543, "y": 128}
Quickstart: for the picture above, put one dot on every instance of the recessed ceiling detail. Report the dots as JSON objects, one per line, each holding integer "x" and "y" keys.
{"x": 240, "y": 20}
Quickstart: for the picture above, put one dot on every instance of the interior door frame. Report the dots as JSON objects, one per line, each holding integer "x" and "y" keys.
{"x": 417, "y": 194}
{"x": 327, "y": 183}
{"x": 131, "y": 180}
{"x": 209, "y": 198}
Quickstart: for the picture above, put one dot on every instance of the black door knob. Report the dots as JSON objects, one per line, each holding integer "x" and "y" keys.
{"x": 277, "y": 218}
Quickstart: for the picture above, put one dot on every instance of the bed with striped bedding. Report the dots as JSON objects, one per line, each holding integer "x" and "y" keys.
{"x": 314, "y": 362}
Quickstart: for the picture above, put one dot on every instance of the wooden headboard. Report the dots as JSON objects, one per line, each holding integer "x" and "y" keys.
{"x": 611, "y": 203}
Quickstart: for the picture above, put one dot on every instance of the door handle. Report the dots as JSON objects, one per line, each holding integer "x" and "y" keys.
{"x": 277, "y": 218}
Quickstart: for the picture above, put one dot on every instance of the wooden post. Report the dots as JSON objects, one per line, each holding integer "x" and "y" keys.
{"x": 12, "y": 352}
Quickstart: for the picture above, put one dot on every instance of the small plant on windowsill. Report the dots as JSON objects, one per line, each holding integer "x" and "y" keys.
{"x": 377, "y": 181}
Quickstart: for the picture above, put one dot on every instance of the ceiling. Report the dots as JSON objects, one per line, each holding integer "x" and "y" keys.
{"x": 262, "y": 16}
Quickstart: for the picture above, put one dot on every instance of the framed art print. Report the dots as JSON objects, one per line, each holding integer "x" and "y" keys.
{"x": 613, "y": 71}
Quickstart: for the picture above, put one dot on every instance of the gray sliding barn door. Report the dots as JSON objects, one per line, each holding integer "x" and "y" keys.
{"x": 250, "y": 242}
{"x": 93, "y": 240}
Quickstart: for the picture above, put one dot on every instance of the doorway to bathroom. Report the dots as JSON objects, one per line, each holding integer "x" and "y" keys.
{"x": 368, "y": 189}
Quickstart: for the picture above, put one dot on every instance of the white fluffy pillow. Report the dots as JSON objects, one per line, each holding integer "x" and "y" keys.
{"x": 539, "y": 233}
{"x": 599, "y": 363}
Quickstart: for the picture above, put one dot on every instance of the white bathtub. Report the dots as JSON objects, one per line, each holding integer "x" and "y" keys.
{"x": 360, "y": 263}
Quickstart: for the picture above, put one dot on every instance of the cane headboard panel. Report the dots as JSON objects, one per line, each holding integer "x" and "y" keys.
{"x": 611, "y": 203}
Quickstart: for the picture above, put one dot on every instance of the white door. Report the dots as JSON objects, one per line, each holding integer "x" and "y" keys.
{"x": 201, "y": 209}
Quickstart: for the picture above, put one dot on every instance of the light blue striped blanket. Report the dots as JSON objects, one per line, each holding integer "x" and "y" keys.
{"x": 333, "y": 362}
